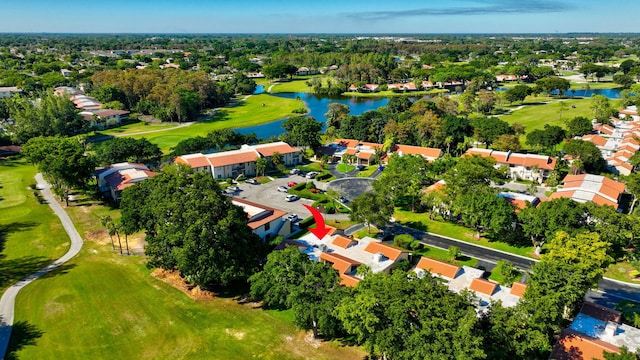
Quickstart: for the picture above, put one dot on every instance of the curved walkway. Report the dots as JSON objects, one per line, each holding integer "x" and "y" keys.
{"x": 8, "y": 298}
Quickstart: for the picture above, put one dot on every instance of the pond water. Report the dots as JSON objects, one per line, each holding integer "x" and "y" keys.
{"x": 318, "y": 106}
{"x": 259, "y": 90}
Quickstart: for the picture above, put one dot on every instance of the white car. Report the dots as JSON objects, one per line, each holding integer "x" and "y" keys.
{"x": 233, "y": 188}
{"x": 252, "y": 181}
{"x": 291, "y": 197}
{"x": 311, "y": 175}
{"x": 291, "y": 217}
{"x": 283, "y": 189}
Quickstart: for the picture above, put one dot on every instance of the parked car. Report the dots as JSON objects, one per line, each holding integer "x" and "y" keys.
{"x": 291, "y": 197}
{"x": 233, "y": 188}
{"x": 311, "y": 175}
{"x": 291, "y": 217}
{"x": 283, "y": 189}
{"x": 294, "y": 171}
{"x": 252, "y": 181}
{"x": 291, "y": 184}
{"x": 360, "y": 167}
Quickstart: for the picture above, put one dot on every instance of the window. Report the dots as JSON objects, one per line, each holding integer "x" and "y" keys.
{"x": 267, "y": 226}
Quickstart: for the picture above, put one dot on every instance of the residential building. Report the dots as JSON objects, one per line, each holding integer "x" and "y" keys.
{"x": 365, "y": 152}
{"x": 104, "y": 118}
{"x": 531, "y": 167}
{"x": 430, "y": 154}
{"x": 595, "y": 330}
{"x": 459, "y": 278}
{"x": 264, "y": 221}
{"x": 587, "y": 187}
{"x": 231, "y": 164}
{"x": 346, "y": 255}
{"x": 403, "y": 87}
{"x": 9, "y": 91}
{"x": 520, "y": 201}
{"x": 117, "y": 177}
{"x": 618, "y": 142}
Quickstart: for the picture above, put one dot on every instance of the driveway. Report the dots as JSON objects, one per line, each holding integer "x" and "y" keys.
{"x": 351, "y": 187}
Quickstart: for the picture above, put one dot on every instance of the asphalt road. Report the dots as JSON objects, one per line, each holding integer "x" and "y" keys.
{"x": 609, "y": 291}
{"x": 8, "y": 298}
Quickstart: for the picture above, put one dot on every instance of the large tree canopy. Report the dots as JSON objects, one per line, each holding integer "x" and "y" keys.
{"x": 191, "y": 227}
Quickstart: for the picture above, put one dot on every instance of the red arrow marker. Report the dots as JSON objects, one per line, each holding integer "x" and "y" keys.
{"x": 320, "y": 230}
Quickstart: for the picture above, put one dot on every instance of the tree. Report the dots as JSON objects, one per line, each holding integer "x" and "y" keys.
{"x": 588, "y": 153}
{"x": 488, "y": 129}
{"x": 518, "y": 93}
{"x": 585, "y": 250}
{"x": 277, "y": 280}
{"x": 579, "y": 126}
{"x": 50, "y": 116}
{"x": 551, "y": 84}
{"x": 303, "y": 131}
{"x": 371, "y": 208}
{"x": 506, "y": 142}
{"x": 106, "y": 221}
{"x": 402, "y": 317}
{"x": 623, "y": 79}
{"x": 542, "y": 222}
{"x": 261, "y": 166}
{"x": 625, "y": 354}
{"x": 470, "y": 173}
{"x": 126, "y": 149}
{"x": 403, "y": 176}
{"x": 482, "y": 209}
{"x": 546, "y": 138}
{"x": 62, "y": 160}
{"x": 601, "y": 108}
{"x": 633, "y": 186}
{"x": 314, "y": 299}
{"x": 336, "y": 113}
{"x": 454, "y": 252}
{"x": 191, "y": 227}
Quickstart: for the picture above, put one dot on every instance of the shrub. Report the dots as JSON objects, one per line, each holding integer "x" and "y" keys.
{"x": 403, "y": 240}
{"x": 310, "y": 185}
{"x": 404, "y": 265}
{"x": 454, "y": 252}
{"x": 634, "y": 274}
{"x": 324, "y": 176}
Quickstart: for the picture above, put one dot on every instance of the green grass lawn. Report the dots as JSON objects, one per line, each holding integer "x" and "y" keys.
{"x": 536, "y": 116}
{"x": 288, "y": 86}
{"x": 422, "y": 221}
{"x": 245, "y": 114}
{"x": 620, "y": 271}
{"x": 137, "y": 127}
{"x": 443, "y": 255}
{"x": 116, "y": 310}
{"x": 31, "y": 236}
{"x": 368, "y": 171}
{"x": 594, "y": 85}
{"x": 345, "y": 167}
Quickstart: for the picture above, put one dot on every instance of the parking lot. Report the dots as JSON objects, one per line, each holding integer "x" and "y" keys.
{"x": 267, "y": 194}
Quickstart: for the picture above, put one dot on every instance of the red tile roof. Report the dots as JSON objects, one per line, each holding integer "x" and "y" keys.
{"x": 343, "y": 241}
{"x": 438, "y": 267}
{"x": 279, "y": 147}
{"x": 193, "y": 161}
{"x": 575, "y": 346}
{"x": 343, "y": 265}
{"x": 527, "y": 160}
{"x": 429, "y": 153}
{"x": 518, "y": 289}
{"x": 232, "y": 157}
{"x": 483, "y": 286}
{"x": 390, "y": 252}
{"x": 596, "y": 139}
{"x": 274, "y": 214}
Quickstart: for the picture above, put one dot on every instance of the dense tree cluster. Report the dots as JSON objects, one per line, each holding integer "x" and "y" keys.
{"x": 191, "y": 227}
{"x": 168, "y": 95}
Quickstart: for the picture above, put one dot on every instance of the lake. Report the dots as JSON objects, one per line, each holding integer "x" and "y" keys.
{"x": 318, "y": 106}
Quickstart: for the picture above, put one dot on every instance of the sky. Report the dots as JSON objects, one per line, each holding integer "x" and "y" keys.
{"x": 326, "y": 16}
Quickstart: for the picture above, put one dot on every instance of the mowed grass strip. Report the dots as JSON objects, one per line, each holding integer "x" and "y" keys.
{"x": 535, "y": 116}
{"x": 249, "y": 112}
{"x": 31, "y": 236}
{"x": 288, "y": 86}
{"x": 456, "y": 231}
{"x": 108, "y": 306}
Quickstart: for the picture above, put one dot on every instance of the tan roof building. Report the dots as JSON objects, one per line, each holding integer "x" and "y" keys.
{"x": 587, "y": 187}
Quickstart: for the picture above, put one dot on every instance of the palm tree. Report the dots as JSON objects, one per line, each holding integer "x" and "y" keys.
{"x": 105, "y": 221}
{"x": 117, "y": 227}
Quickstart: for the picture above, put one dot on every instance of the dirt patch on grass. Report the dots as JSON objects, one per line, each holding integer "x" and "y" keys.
{"x": 237, "y": 334}
{"x": 173, "y": 278}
